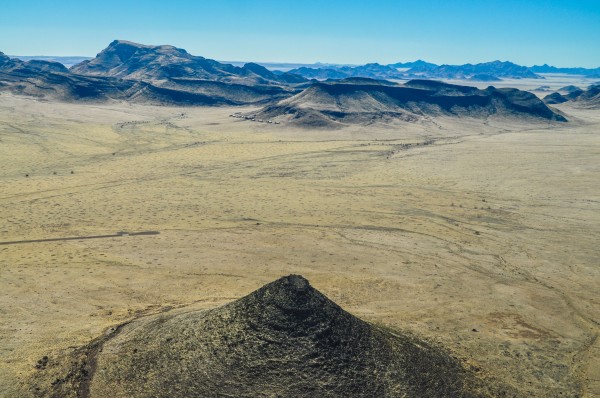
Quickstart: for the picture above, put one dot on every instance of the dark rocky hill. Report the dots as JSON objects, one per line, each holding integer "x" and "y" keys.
{"x": 328, "y": 104}
{"x": 68, "y": 87}
{"x": 555, "y": 98}
{"x": 67, "y": 61}
{"x": 592, "y": 95}
{"x": 569, "y": 89}
{"x": 105, "y": 82}
{"x": 589, "y": 98}
{"x": 284, "y": 340}
{"x": 8, "y": 64}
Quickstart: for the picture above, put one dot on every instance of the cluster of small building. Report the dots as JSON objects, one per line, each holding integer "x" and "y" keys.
{"x": 252, "y": 118}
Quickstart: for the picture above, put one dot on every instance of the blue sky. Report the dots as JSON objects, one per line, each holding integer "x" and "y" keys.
{"x": 558, "y": 32}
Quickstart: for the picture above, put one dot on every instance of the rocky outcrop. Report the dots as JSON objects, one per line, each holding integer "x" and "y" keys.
{"x": 284, "y": 340}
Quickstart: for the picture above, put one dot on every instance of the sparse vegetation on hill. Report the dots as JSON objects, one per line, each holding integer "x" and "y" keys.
{"x": 285, "y": 339}
{"x": 326, "y": 104}
{"x": 129, "y": 60}
{"x": 131, "y": 72}
{"x": 589, "y": 98}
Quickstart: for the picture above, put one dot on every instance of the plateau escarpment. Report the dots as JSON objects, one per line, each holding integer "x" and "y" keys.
{"x": 329, "y": 103}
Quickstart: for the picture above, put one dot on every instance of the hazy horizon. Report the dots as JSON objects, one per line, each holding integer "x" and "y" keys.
{"x": 283, "y": 63}
{"x": 556, "y": 32}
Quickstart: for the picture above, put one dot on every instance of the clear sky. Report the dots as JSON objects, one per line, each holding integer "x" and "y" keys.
{"x": 557, "y": 32}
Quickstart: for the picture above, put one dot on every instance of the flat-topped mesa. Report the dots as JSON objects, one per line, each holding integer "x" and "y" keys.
{"x": 333, "y": 104}
{"x": 126, "y": 59}
{"x": 165, "y": 64}
{"x": 125, "y": 47}
{"x": 28, "y": 68}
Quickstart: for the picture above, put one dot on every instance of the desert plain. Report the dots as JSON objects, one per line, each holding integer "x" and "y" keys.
{"x": 481, "y": 236}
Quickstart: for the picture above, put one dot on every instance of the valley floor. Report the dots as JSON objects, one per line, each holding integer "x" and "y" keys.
{"x": 480, "y": 236}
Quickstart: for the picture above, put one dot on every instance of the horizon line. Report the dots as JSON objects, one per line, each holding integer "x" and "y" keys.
{"x": 321, "y": 62}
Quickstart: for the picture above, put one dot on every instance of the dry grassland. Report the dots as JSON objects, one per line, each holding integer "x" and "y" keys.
{"x": 485, "y": 240}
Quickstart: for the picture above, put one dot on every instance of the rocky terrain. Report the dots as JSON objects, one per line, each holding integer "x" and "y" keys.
{"x": 589, "y": 98}
{"x": 285, "y": 339}
{"x": 166, "y": 75}
{"x": 136, "y": 73}
{"x": 495, "y": 69}
{"x": 128, "y": 60}
{"x": 591, "y": 72}
{"x": 13, "y": 65}
{"x": 132, "y": 60}
{"x": 487, "y": 71}
{"x": 65, "y": 60}
{"x": 478, "y": 235}
{"x": 372, "y": 71}
{"x": 330, "y": 103}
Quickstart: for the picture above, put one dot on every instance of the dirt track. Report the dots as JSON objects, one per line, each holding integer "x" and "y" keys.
{"x": 117, "y": 235}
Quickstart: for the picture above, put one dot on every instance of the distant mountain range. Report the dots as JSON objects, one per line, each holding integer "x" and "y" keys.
{"x": 66, "y": 61}
{"x": 131, "y": 72}
{"x": 569, "y": 71}
{"x": 487, "y": 71}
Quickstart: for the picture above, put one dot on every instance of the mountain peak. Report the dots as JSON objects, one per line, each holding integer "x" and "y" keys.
{"x": 7, "y": 62}
{"x": 129, "y": 47}
{"x": 287, "y": 302}
{"x": 163, "y": 63}
{"x": 295, "y": 283}
{"x": 258, "y": 69}
{"x": 499, "y": 63}
{"x": 118, "y": 42}
{"x": 289, "y": 292}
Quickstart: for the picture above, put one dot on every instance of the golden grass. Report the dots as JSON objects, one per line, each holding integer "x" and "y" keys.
{"x": 494, "y": 227}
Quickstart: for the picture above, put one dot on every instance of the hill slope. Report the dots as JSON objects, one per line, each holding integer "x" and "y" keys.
{"x": 51, "y": 80}
{"x": 8, "y": 64}
{"x": 128, "y": 60}
{"x": 325, "y": 104}
{"x": 285, "y": 339}
{"x": 589, "y": 98}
